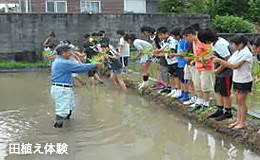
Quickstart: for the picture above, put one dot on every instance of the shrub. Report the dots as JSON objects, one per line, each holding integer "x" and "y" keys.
{"x": 254, "y": 10}
{"x": 232, "y": 24}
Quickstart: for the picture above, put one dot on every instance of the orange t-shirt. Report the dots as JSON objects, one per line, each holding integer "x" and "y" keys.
{"x": 209, "y": 65}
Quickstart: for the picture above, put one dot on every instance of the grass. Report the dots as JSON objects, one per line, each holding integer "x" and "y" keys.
{"x": 256, "y": 73}
{"x": 138, "y": 68}
{"x": 21, "y": 65}
{"x": 256, "y": 68}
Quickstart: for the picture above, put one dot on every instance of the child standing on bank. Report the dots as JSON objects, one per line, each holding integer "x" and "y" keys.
{"x": 123, "y": 49}
{"x": 62, "y": 82}
{"x": 145, "y": 61}
{"x": 223, "y": 81}
{"x": 150, "y": 33}
{"x": 168, "y": 44}
{"x": 181, "y": 83}
{"x": 204, "y": 77}
{"x": 189, "y": 69}
{"x": 241, "y": 62}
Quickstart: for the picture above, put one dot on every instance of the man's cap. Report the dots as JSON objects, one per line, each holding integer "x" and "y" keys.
{"x": 62, "y": 48}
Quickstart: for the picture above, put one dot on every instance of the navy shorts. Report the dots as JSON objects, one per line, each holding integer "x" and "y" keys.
{"x": 118, "y": 71}
{"x": 173, "y": 69}
{"x": 243, "y": 87}
{"x": 180, "y": 74}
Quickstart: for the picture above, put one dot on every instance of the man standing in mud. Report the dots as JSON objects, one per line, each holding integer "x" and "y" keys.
{"x": 62, "y": 82}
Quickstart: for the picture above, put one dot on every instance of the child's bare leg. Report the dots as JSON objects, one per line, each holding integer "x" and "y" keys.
{"x": 185, "y": 87}
{"x": 92, "y": 81}
{"x": 243, "y": 110}
{"x": 80, "y": 80}
{"x": 143, "y": 69}
{"x": 158, "y": 77}
{"x": 114, "y": 79}
{"x": 191, "y": 88}
{"x": 238, "y": 113}
{"x": 111, "y": 75}
{"x": 121, "y": 82}
{"x": 146, "y": 69}
{"x": 177, "y": 83}
{"x": 96, "y": 76}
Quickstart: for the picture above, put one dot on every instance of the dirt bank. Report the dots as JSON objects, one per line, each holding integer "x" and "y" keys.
{"x": 248, "y": 137}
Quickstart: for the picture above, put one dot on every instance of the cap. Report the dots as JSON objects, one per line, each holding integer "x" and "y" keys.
{"x": 62, "y": 48}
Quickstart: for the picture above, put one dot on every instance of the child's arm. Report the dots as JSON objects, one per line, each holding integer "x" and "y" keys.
{"x": 120, "y": 48}
{"x": 51, "y": 57}
{"x": 76, "y": 57}
{"x": 188, "y": 59}
{"x": 175, "y": 55}
{"x": 46, "y": 41}
{"x": 157, "y": 52}
{"x": 80, "y": 55}
{"x": 221, "y": 67}
{"x": 138, "y": 54}
{"x": 227, "y": 64}
{"x": 80, "y": 80}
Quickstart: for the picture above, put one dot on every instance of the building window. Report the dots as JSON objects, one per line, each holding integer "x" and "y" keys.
{"x": 135, "y": 6}
{"x": 90, "y": 6}
{"x": 56, "y": 6}
{"x": 24, "y": 6}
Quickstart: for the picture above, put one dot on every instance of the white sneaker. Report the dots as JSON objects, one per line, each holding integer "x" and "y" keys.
{"x": 177, "y": 94}
{"x": 139, "y": 84}
{"x": 143, "y": 85}
{"x": 172, "y": 93}
{"x": 193, "y": 105}
{"x": 189, "y": 102}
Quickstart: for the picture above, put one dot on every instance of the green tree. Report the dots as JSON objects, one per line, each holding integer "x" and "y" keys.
{"x": 175, "y": 6}
{"x": 254, "y": 10}
{"x": 183, "y": 6}
{"x": 230, "y": 7}
{"x": 248, "y": 9}
{"x": 232, "y": 24}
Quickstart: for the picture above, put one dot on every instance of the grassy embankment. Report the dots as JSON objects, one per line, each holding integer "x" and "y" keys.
{"x": 21, "y": 65}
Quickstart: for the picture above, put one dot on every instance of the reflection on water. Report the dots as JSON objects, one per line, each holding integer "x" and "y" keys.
{"x": 107, "y": 124}
{"x": 12, "y": 126}
{"x": 252, "y": 102}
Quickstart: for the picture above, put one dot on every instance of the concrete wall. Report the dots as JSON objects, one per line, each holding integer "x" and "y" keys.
{"x": 26, "y": 32}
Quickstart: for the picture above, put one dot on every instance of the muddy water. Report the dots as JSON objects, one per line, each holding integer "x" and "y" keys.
{"x": 107, "y": 125}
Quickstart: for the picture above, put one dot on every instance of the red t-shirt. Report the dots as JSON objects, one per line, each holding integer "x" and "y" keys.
{"x": 209, "y": 65}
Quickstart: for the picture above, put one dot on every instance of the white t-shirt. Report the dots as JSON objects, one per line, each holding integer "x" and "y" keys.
{"x": 141, "y": 44}
{"x": 125, "y": 47}
{"x": 168, "y": 44}
{"x": 221, "y": 47}
{"x": 243, "y": 73}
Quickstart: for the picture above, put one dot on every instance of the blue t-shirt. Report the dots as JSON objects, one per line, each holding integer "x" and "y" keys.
{"x": 182, "y": 46}
{"x": 62, "y": 70}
